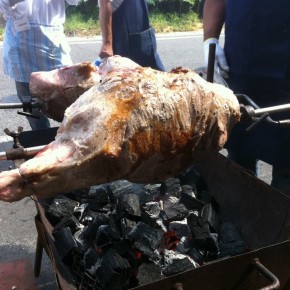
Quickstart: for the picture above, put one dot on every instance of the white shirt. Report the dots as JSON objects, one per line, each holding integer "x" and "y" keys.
{"x": 34, "y": 39}
{"x": 44, "y": 12}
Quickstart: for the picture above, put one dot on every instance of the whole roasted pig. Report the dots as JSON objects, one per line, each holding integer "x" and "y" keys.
{"x": 138, "y": 124}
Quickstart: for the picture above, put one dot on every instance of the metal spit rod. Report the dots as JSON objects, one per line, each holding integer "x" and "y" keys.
{"x": 211, "y": 63}
{"x": 11, "y": 106}
{"x": 24, "y": 152}
{"x": 27, "y": 105}
{"x": 274, "y": 109}
{"x": 20, "y": 105}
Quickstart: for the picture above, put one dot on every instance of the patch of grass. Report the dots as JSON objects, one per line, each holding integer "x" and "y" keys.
{"x": 1, "y": 33}
{"x": 175, "y": 22}
{"x": 78, "y": 24}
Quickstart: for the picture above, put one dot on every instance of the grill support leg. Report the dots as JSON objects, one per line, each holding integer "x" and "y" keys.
{"x": 38, "y": 257}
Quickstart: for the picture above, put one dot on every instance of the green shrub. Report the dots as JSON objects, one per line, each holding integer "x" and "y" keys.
{"x": 165, "y": 16}
{"x": 79, "y": 24}
{"x": 174, "y": 22}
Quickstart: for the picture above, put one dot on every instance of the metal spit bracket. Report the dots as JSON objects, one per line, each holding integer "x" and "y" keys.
{"x": 28, "y": 105}
{"x": 15, "y": 136}
{"x": 27, "y": 143}
{"x": 17, "y": 152}
{"x": 252, "y": 113}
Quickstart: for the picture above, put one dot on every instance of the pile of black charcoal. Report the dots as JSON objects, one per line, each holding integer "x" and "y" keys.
{"x": 122, "y": 235}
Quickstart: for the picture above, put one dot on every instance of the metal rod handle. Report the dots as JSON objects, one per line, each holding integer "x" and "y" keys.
{"x": 273, "y": 109}
{"x": 19, "y": 105}
{"x": 25, "y": 152}
{"x": 3, "y": 156}
{"x": 11, "y": 106}
{"x": 263, "y": 270}
{"x": 211, "y": 62}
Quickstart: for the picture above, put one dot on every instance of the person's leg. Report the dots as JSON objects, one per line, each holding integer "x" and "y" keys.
{"x": 281, "y": 179}
{"x": 23, "y": 94}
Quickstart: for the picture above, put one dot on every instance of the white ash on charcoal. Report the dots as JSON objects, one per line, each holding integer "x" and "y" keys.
{"x": 151, "y": 190}
{"x": 128, "y": 206}
{"x": 191, "y": 177}
{"x": 147, "y": 240}
{"x": 151, "y": 212}
{"x": 179, "y": 228}
{"x": 188, "y": 198}
{"x": 187, "y": 246}
{"x": 97, "y": 197}
{"x": 201, "y": 234}
{"x": 149, "y": 273}
{"x": 81, "y": 211}
{"x": 69, "y": 222}
{"x": 106, "y": 236}
{"x": 126, "y": 225}
{"x": 175, "y": 263}
{"x": 146, "y": 193}
{"x": 60, "y": 208}
{"x": 115, "y": 235}
{"x": 171, "y": 187}
{"x": 173, "y": 210}
{"x": 114, "y": 271}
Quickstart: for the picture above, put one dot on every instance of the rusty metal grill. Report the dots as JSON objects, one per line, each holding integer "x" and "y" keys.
{"x": 259, "y": 212}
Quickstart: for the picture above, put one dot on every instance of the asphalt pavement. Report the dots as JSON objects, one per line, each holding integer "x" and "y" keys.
{"x": 18, "y": 233}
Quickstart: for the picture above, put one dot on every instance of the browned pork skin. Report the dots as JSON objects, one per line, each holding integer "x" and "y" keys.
{"x": 139, "y": 124}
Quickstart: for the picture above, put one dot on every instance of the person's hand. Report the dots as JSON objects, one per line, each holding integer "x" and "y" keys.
{"x": 106, "y": 51}
{"x": 221, "y": 65}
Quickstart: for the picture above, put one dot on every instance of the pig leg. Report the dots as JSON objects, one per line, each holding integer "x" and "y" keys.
{"x": 18, "y": 183}
{"x": 13, "y": 186}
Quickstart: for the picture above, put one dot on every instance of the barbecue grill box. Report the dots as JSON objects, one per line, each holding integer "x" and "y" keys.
{"x": 259, "y": 212}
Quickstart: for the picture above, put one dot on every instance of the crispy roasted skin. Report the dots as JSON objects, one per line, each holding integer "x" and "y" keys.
{"x": 138, "y": 124}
